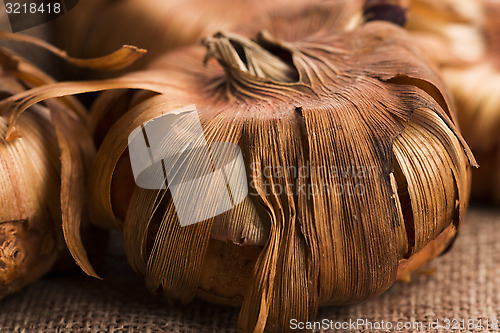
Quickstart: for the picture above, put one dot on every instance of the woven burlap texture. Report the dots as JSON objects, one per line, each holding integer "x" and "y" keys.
{"x": 462, "y": 284}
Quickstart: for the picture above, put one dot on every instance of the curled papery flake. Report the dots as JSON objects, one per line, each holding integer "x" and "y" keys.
{"x": 121, "y": 58}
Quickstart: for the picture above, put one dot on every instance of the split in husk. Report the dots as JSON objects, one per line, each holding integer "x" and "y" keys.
{"x": 352, "y": 104}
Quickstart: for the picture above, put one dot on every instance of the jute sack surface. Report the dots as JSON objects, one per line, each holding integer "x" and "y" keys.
{"x": 462, "y": 284}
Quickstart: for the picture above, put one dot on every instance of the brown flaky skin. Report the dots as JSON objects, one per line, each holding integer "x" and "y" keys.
{"x": 44, "y": 155}
{"x": 30, "y": 241}
{"x": 227, "y": 270}
{"x": 365, "y": 97}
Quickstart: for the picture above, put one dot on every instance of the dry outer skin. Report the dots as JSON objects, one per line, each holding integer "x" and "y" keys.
{"x": 227, "y": 270}
{"x": 30, "y": 241}
{"x": 319, "y": 250}
{"x": 44, "y": 155}
{"x": 424, "y": 256}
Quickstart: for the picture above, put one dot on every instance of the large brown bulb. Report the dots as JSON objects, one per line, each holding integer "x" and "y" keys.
{"x": 364, "y": 100}
{"x": 357, "y": 107}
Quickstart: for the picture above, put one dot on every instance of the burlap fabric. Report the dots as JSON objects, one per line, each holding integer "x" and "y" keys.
{"x": 463, "y": 284}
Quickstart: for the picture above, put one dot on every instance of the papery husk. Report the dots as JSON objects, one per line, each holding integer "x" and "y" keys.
{"x": 29, "y": 239}
{"x": 332, "y": 95}
{"x": 45, "y": 158}
{"x": 463, "y": 38}
{"x": 97, "y": 27}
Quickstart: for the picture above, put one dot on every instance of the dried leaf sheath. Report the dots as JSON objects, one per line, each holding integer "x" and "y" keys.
{"x": 68, "y": 150}
{"x": 31, "y": 200}
{"x": 29, "y": 241}
{"x": 350, "y": 231}
{"x": 362, "y": 100}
